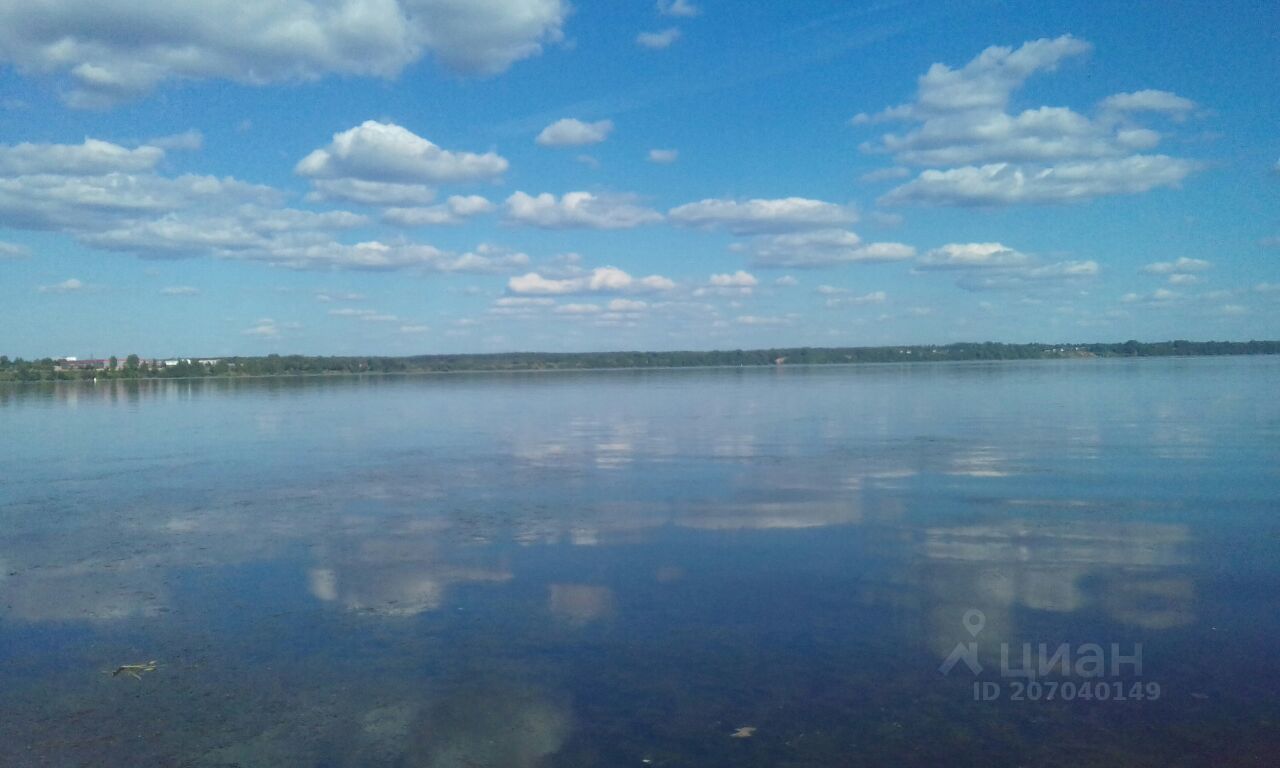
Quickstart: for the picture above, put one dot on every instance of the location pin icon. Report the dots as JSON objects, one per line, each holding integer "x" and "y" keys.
{"x": 974, "y": 621}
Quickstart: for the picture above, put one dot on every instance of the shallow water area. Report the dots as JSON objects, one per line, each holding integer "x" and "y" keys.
{"x": 638, "y": 567}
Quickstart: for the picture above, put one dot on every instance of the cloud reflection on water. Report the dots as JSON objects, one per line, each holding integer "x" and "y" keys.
{"x": 580, "y": 604}
{"x": 325, "y": 534}
{"x": 1125, "y": 570}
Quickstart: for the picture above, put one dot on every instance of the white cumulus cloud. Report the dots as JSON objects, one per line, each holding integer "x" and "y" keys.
{"x": 821, "y": 248}
{"x": 89, "y": 158}
{"x": 679, "y": 8}
{"x": 373, "y": 255}
{"x": 599, "y": 280}
{"x": 995, "y": 266}
{"x": 85, "y": 192}
{"x": 577, "y": 210}
{"x": 984, "y": 83}
{"x": 1008, "y": 184}
{"x": 578, "y": 309}
{"x": 264, "y": 328}
{"x": 1148, "y": 101}
{"x": 189, "y": 140}
{"x": 739, "y": 279}
{"x": 1183, "y": 264}
{"x": 975, "y": 152}
{"x": 91, "y": 188}
{"x": 369, "y": 192}
{"x": 386, "y": 152}
{"x": 874, "y": 297}
{"x": 763, "y": 320}
{"x": 1158, "y": 297}
{"x": 658, "y": 40}
{"x": 628, "y": 305}
{"x": 107, "y": 51}
{"x": 455, "y": 210}
{"x": 973, "y": 256}
{"x": 571, "y": 132}
{"x": 762, "y": 215}
{"x": 70, "y": 285}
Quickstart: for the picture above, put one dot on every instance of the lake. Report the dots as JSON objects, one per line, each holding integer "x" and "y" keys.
{"x": 1050, "y": 563}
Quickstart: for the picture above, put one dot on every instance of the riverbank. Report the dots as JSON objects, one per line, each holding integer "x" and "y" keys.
{"x": 48, "y": 369}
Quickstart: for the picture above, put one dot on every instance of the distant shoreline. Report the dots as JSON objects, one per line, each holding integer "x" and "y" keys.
{"x": 553, "y": 371}
{"x": 271, "y": 366}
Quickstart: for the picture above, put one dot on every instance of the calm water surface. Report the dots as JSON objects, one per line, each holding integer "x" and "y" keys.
{"x": 626, "y": 568}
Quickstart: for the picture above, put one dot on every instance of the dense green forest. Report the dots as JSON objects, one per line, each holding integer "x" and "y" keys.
{"x": 48, "y": 369}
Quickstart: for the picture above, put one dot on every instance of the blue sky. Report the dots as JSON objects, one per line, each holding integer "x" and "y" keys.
{"x": 402, "y": 177}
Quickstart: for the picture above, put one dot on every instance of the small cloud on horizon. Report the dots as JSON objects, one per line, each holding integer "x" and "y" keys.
{"x": 658, "y": 40}
{"x": 70, "y": 285}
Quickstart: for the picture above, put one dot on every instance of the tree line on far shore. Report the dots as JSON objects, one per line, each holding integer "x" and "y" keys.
{"x": 48, "y": 369}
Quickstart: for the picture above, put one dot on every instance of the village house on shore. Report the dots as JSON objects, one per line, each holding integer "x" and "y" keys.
{"x": 119, "y": 363}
